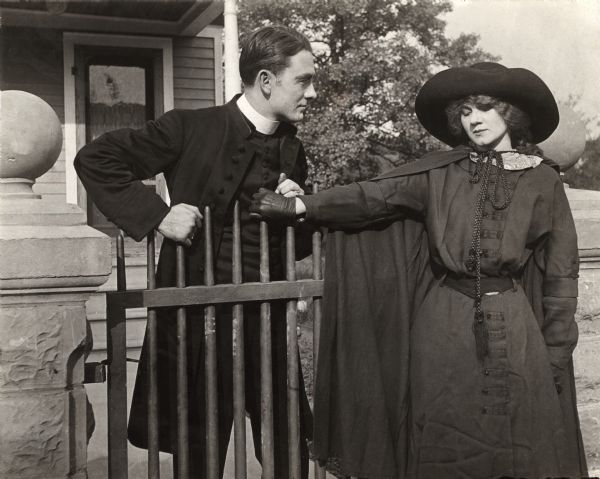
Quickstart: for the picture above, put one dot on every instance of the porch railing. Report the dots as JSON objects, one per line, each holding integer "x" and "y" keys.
{"x": 209, "y": 295}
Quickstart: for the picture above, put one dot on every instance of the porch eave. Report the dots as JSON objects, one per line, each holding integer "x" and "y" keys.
{"x": 190, "y": 23}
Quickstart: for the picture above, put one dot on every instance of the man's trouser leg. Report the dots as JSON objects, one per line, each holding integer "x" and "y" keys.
{"x": 253, "y": 391}
{"x": 197, "y": 419}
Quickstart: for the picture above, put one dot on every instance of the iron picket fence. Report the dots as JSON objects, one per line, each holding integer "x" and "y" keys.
{"x": 208, "y": 295}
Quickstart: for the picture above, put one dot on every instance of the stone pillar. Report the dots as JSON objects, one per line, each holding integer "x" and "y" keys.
{"x": 50, "y": 261}
{"x": 585, "y": 205}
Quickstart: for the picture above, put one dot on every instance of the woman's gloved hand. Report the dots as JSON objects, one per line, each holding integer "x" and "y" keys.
{"x": 270, "y": 206}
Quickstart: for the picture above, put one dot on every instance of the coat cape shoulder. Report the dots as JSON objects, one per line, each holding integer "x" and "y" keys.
{"x": 375, "y": 280}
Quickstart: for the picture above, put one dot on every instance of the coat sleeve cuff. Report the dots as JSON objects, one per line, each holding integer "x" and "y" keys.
{"x": 146, "y": 219}
{"x": 311, "y": 202}
{"x": 560, "y": 287}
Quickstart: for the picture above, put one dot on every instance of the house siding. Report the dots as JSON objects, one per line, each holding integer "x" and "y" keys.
{"x": 193, "y": 72}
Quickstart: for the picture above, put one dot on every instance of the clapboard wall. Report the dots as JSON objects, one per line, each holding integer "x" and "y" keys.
{"x": 193, "y": 72}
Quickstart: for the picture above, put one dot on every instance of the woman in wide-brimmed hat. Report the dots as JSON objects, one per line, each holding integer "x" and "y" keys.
{"x": 450, "y": 293}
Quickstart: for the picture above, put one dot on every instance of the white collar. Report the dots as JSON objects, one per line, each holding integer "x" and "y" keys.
{"x": 514, "y": 160}
{"x": 262, "y": 124}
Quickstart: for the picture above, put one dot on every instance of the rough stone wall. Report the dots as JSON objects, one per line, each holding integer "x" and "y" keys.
{"x": 41, "y": 395}
{"x": 586, "y": 211}
{"x": 587, "y": 361}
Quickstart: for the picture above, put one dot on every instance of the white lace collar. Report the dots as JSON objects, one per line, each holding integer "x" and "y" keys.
{"x": 513, "y": 160}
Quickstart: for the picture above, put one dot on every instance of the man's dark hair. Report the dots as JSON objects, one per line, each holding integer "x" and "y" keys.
{"x": 269, "y": 48}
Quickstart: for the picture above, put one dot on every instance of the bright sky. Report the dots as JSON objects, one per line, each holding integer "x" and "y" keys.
{"x": 557, "y": 39}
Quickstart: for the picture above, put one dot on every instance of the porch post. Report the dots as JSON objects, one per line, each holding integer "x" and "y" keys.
{"x": 50, "y": 261}
{"x": 233, "y": 83}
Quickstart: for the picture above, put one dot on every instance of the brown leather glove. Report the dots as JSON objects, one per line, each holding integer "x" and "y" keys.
{"x": 268, "y": 205}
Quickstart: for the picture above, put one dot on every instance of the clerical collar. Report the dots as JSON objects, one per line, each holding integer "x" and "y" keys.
{"x": 262, "y": 124}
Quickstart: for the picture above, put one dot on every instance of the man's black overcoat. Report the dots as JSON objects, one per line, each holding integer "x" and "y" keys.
{"x": 204, "y": 155}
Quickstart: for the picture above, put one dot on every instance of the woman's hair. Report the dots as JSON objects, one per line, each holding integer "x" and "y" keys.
{"x": 517, "y": 121}
{"x": 269, "y": 48}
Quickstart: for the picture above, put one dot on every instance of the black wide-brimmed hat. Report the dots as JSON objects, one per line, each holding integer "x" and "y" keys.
{"x": 517, "y": 86}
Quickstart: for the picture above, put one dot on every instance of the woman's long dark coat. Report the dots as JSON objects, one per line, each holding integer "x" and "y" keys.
{"x": 377, "y": 277}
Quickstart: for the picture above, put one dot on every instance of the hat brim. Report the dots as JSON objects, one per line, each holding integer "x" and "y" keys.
{"x": 517, "y": 86}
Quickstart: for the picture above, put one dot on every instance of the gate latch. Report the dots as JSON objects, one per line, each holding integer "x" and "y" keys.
{"x": 94, "y": 372}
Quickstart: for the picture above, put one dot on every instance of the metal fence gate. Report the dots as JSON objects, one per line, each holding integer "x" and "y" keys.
{"x": 208, "y": 296}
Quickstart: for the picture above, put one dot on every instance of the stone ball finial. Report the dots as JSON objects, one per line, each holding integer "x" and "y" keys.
{"x": 566, "y": 145}
{"x": 30, "y": 142}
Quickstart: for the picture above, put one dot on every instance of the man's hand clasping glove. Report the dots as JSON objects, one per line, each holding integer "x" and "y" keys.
{"x": 270, "y": 206}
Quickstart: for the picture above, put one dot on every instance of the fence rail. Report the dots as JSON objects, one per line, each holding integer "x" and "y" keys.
{"x": 208, "y": 295}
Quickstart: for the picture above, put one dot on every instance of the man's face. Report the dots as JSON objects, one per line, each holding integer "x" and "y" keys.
{"x": 292, "y": 88}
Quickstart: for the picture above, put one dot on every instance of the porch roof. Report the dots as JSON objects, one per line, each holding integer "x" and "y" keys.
{"x": 156, "y": 17}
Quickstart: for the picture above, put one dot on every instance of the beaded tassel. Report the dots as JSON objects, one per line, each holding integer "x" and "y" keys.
{"x": 483, "y": 168}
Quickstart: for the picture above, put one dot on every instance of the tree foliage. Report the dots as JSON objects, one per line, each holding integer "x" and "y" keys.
{"x": 372, "y": 57}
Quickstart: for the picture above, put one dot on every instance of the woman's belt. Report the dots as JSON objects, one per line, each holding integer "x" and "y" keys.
{"x": 466, "y": 286}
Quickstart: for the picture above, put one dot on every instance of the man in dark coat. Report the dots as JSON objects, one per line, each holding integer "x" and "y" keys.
{"x": 213, "y": 157}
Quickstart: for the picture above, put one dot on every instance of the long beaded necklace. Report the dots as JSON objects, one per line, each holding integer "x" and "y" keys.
{"x": 481, "y": 173}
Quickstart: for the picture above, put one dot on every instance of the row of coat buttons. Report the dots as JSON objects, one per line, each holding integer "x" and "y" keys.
{"x": 497, "y": 391}
{"x": 495, "y": 215}
{"x": 236, "y": 160}
{"x": 498, "y": 410}
{"x": 485, "y": 253}
{"x": 491, "y": 234}
{"x": 495, "y": 372}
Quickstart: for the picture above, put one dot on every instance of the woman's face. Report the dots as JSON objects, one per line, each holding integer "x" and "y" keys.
{"x": 485, "y": 127}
